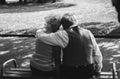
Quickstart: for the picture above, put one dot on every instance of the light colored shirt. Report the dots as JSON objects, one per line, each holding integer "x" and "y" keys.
{"x": 60, "y": 38}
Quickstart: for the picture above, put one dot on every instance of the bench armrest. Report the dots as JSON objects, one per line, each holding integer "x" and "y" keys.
{"x": 5, "y": 63}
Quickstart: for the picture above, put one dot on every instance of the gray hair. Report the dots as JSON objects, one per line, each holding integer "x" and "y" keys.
{"x": 54, "y": 21}
{"x": 68, "y": 20}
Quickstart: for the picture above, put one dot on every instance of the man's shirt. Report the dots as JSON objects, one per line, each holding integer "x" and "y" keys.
{"x": 60, "y": 38}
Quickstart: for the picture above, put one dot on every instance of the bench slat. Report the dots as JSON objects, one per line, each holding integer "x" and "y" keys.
{"x": 107, "y": 77}
{"x": 16, "y": 75}
{"x": 17, "y": 72}
{"x": 107, "y": 73}
{"x": 26, "y": 73}
{"x": 10, "y": 74}
{"x": 21, "y": 69}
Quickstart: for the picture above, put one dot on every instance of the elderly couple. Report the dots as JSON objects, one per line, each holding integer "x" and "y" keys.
{"x": 64, "y": 47}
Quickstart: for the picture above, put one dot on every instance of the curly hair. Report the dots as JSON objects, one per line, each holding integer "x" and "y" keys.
{"x": 53, "y": 21}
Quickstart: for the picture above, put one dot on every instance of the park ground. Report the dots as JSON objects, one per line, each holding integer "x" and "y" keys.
{"x": 97, "y": 15}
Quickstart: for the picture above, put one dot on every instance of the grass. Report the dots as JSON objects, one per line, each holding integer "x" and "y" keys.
{"x": 32, "y": 7}
{"x": 22, "y": 49}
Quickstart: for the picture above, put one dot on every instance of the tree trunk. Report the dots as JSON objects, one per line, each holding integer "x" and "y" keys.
{"x": 20, "y": 1}
{"x": 54, "y": 1}
{"x": 25, "y": 1}
{"x": 2, "y": 1}
{"x": 40, "y": 1}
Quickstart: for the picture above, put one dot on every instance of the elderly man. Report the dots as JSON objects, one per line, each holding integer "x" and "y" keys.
{"x": 81, "y": 55}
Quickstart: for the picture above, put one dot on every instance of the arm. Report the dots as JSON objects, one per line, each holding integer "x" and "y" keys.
{"x": 96, "y": 53}
{"x": 59, "y": 38}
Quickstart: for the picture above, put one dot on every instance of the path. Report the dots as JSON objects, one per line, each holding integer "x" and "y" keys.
{"x": 85, "y": 10}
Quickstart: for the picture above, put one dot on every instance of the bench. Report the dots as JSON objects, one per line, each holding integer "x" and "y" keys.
{"x": 25, "y": 73}
{"x": 14, "y": 72}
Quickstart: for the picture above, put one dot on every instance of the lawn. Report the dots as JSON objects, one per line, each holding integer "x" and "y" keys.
{"x": 22, "y": 49}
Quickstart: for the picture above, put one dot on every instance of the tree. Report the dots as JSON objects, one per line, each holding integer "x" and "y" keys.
{"x": 2, "y": 1}
{"x": 40, "y": 1}
{"x": 20, "y": 1}
{"x": 54, "y": 1}
{"x": 23, "y": 1}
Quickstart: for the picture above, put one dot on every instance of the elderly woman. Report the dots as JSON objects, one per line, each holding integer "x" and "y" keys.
{"x": 43, "y": 62}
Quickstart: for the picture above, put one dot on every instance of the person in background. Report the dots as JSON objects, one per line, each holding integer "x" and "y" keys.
{"x": 43, "y": 60}
{"x": 116, "y": 4}
{"x": 82, "y": 57}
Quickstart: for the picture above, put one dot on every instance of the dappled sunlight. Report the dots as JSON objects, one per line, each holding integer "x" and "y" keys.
{"x": 118, "y": 52}
{"x": 109, "y": 59}
{"x": 15, "y": 48}
{"x": 1, "y": 44}
{"x": 19, "y": 48}
{"x": 106, "y": 44}
{"x": 4, "y": 52}
{"x": 109, "y": 46}
{"x": 26, "y": 46}
{"x": 110, "y": 49}
{"x": 22, "y": 50}
{"x": 26, "y": 63}
{"x": 17, "y": 42}
{"x": 27, "y": 56}
{"x": 114, "y": 47}
{"x": 116, "y": 55}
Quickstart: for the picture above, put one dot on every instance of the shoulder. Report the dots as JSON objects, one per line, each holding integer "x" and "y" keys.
{"x": 84, "y": 30}
{"x": 41, "y": 30}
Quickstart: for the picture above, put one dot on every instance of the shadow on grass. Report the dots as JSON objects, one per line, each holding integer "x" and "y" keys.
{"x": 19, "y": 48}
{"x": 22, "y": 49}
{"x": 110, "y": 49}
{"x": 32, "y": 7}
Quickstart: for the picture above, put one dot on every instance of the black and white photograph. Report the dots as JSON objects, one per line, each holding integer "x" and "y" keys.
{"x": 59, "y": 39}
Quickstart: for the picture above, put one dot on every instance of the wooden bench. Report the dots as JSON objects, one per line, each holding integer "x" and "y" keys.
{"x": 14, "y": 72}
{"x": 25, "y": 73}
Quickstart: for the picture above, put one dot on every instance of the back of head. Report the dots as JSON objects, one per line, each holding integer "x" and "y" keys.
{"x": 67, "y": 20}
{"x": 53, "y": 22}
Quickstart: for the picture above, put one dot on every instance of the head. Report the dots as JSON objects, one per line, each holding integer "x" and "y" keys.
{"x": 67, "y": 20}
{"x": 53, "y": 22}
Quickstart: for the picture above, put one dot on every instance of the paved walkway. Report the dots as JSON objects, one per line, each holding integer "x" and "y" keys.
{"x": 85, "y": 11}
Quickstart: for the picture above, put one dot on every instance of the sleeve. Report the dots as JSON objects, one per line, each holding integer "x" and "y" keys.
{"x": 42, "y": 30}
{"x": 97, "y": 55}
{"x": 59, "y": 38}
